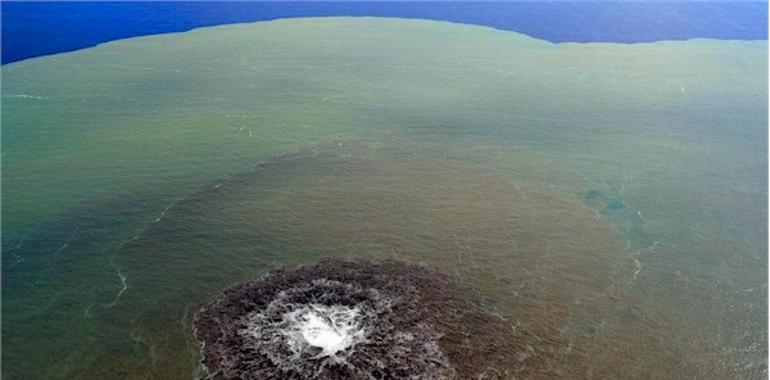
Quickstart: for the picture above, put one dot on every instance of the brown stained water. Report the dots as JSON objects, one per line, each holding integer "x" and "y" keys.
{"x": 401, "y": 321}
{"x": 608, "y": 200}
{"x": 548, "y": 265}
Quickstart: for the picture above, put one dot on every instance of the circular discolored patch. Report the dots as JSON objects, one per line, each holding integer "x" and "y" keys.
{"x": 355, "y": 320}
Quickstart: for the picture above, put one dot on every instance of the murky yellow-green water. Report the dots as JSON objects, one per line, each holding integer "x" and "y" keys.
{"x": 610, "y": 198}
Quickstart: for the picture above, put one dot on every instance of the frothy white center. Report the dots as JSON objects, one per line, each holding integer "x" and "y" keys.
{"x": 332, "y": 329}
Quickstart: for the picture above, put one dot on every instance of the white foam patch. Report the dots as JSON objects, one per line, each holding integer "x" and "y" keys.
{"x": 327, "y": 329}
{"x": 332, "y": 329}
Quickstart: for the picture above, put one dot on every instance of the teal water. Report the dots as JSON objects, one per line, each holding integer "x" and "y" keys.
{"x": 611, "y": 198}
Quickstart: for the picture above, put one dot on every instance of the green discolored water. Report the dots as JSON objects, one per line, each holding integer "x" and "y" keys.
{"x": 609, "y": 198}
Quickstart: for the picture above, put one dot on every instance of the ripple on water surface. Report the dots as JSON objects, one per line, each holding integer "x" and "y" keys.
{"x": 547, "y": 267}
{"x": 356, "y": 320}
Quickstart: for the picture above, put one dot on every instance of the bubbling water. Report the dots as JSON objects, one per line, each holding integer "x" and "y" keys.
{"x": 330, "y": 328}
{"x": 353, "y": 320}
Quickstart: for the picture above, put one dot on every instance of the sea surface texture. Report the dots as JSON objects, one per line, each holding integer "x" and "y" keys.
{"x": 35, "y": 28}
{"x": 611, "y": 199}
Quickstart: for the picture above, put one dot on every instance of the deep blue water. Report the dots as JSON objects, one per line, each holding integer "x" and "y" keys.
{"x": 31, "y": 29}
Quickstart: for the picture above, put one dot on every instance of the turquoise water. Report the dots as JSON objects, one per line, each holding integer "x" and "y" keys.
{"x": 610, "y": 198}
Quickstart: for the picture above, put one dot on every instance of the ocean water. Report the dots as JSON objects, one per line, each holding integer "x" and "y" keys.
{"x": 610, "y": 198}
{"x": 32, "y": 29}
